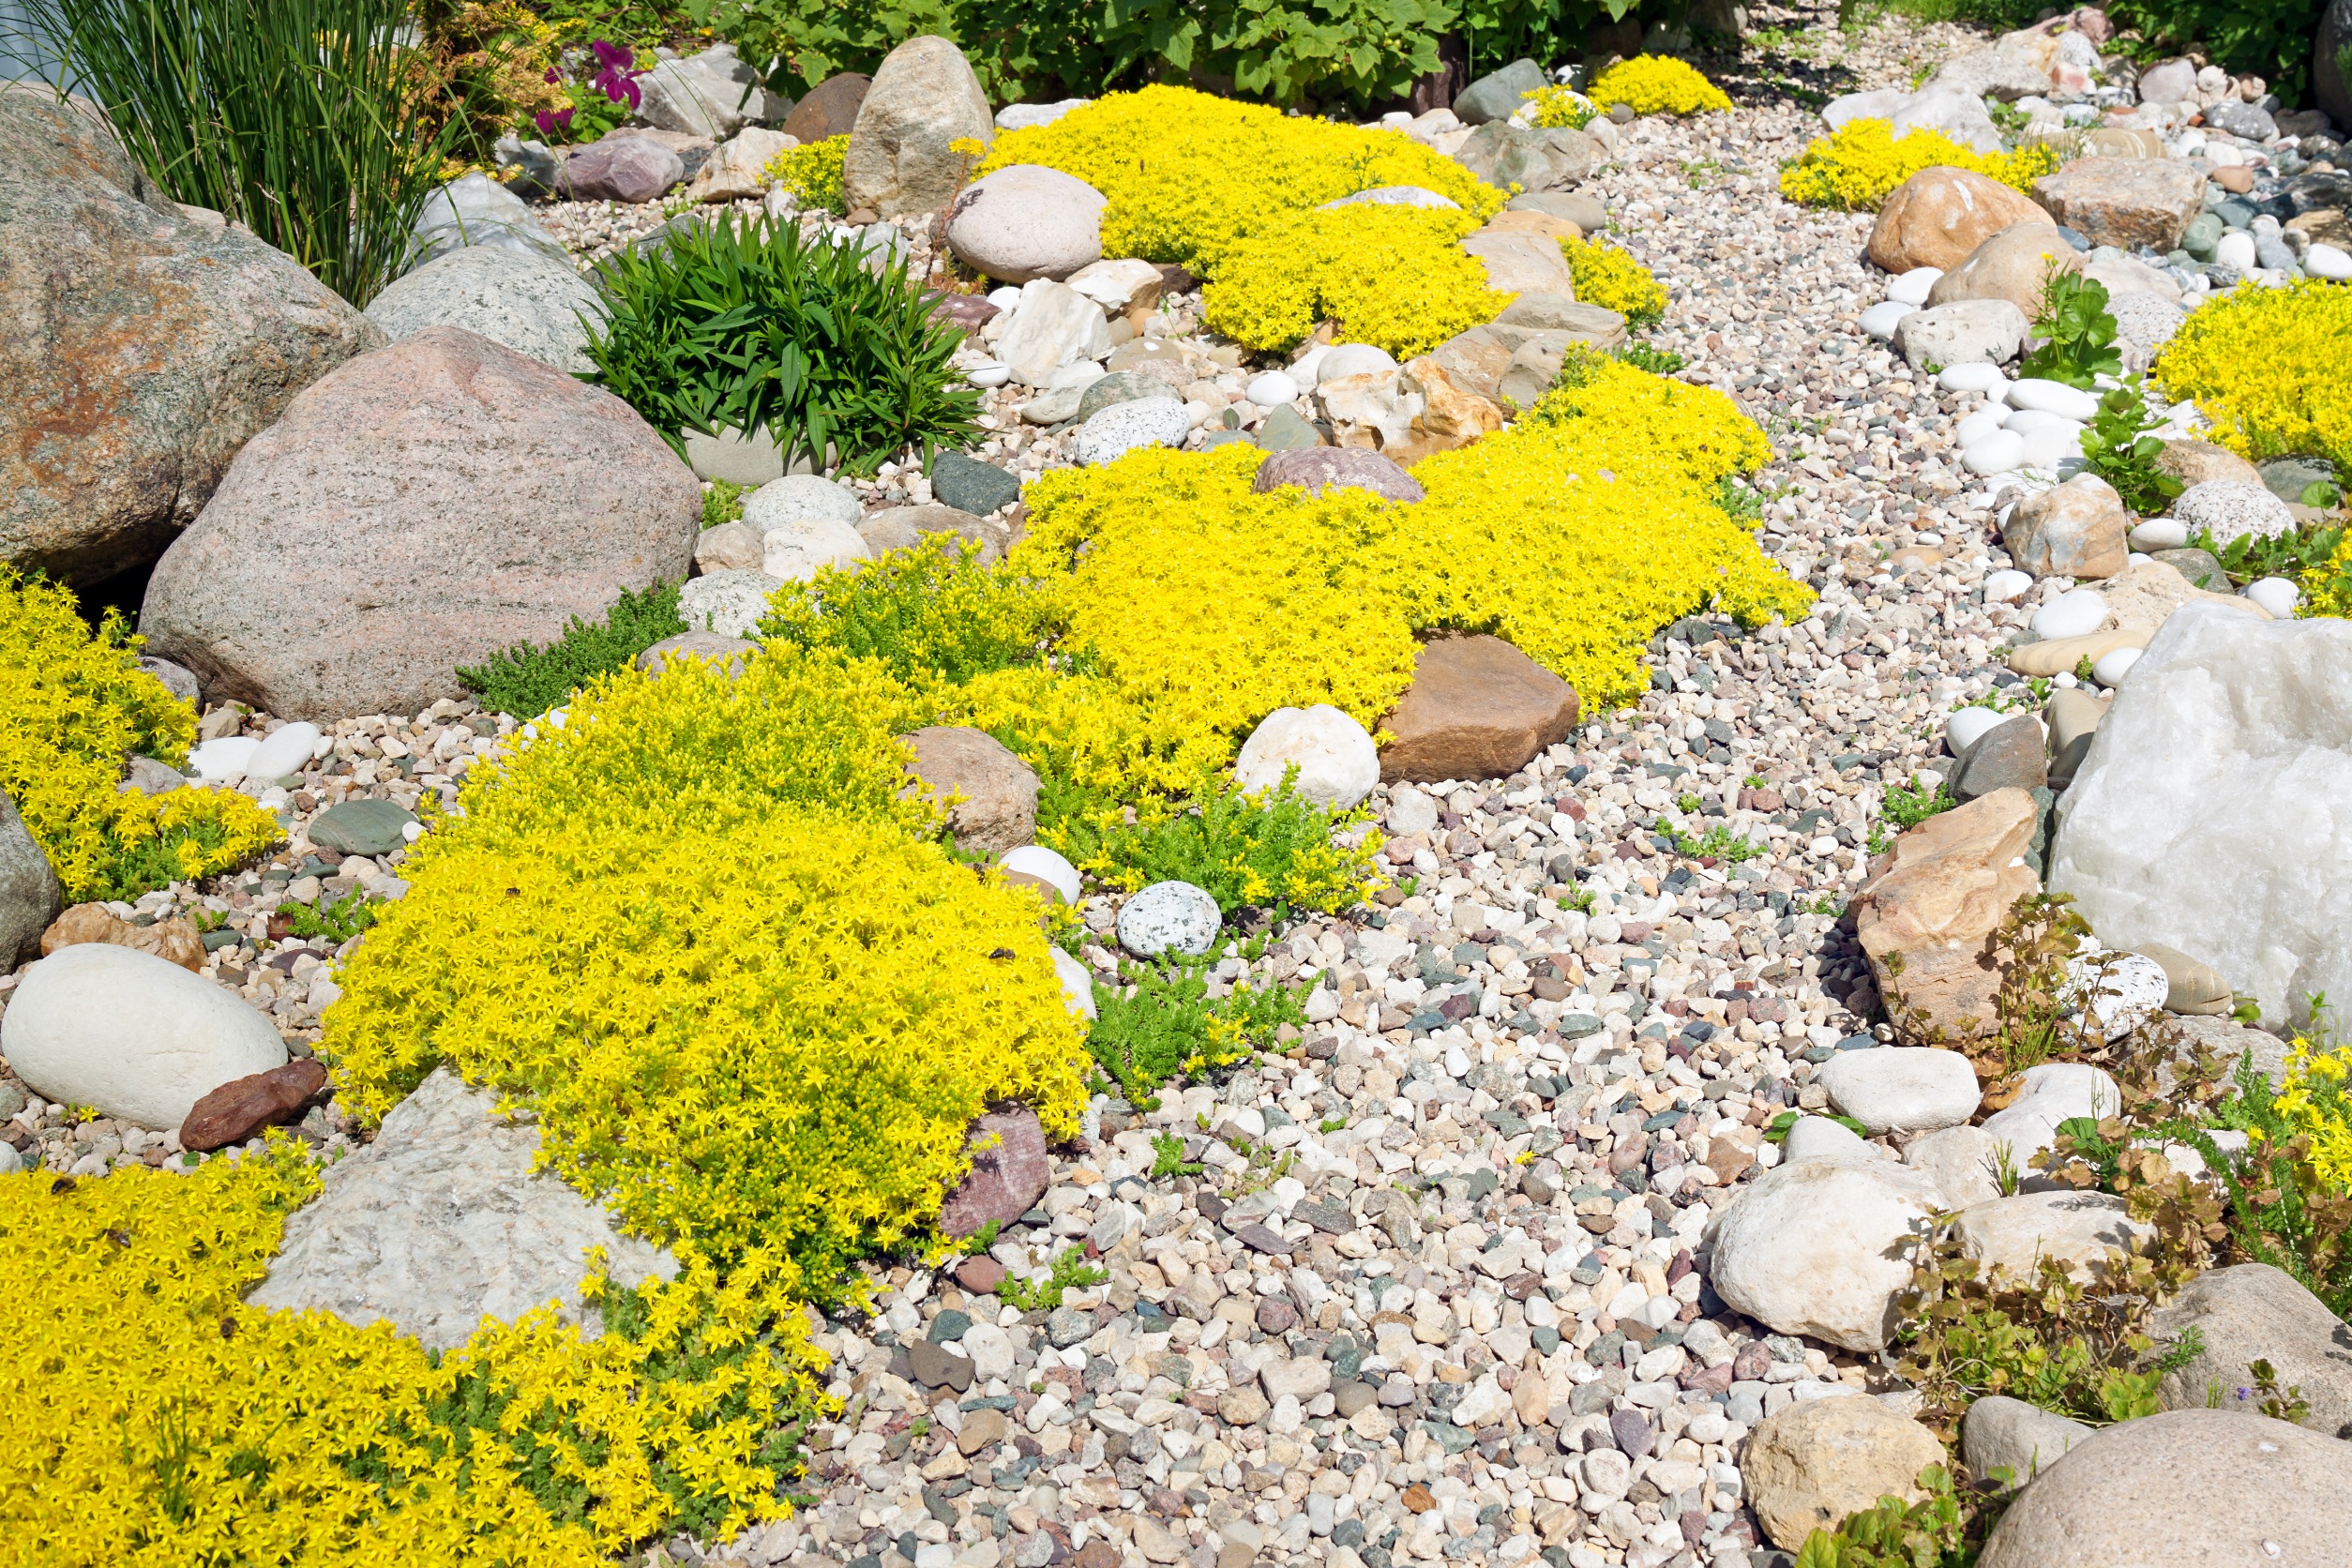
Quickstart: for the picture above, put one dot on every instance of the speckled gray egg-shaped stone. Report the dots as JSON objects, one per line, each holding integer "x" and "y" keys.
{"x": 1169, "y": 917}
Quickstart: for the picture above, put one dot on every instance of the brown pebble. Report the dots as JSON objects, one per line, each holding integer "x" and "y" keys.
{"x": 243, "y": 1106}
{"x": 2237, "y": 179}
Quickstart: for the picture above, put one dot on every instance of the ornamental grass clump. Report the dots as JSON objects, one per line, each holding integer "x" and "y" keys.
{"x": 73, "y": 704}
{"x": 1656, "y": 85}
{"x": 2266, "y": 365}
{"x": 154, "y": 1418}
{"x": 747, "y": 325}
{"x": 1858, "y": 166}
{"x": 1392, "y": 275}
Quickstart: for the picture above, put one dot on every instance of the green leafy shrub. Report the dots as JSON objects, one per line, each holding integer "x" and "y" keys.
{"x": 296, "y": 118}
{"x": 2079, "y": 332}
{"x": 1242, "y": 850}
{"x": 2269, "y": 38}
{"x": 749, "y": 325}
{"x": 2300, "y": 553}
{"x": 2120, "y": 450}
{"x": 338, "y": 920}
{"x": 526, "y": 681}
{"x": 1943, "y": 1530}
{"x": 1161, "y": 1023}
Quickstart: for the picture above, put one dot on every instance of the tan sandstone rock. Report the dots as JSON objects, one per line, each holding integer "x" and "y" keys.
{"x": 1818, "y": 1461}
{"x": 1477, "y": 708}
{"x": 2013, "y": 265}
{"x": 1938, "y": 215}
{"x": 1937, "y": 902}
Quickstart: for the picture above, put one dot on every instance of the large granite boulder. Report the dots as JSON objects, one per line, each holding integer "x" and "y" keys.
{"x": 146, "y": 342}
{"x": 2124, "y": 201}
{"x": 441, "y": 1222}
{"x": 425, "y": 507}
{"x": 530, "y": 305}
{"x": 1534, "y": 158}
{"x": 2206, "y": 815}
{"x": 899, "y": 160}
{"x": 2252, "y": 1312}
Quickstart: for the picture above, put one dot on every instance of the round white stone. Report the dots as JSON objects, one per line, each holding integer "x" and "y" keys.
{"x": 2052, "y": 397}
{"x": 1970, "y": 378}
{"x": 2326, "y": 261}
{"x": 2053, "y": 1093}
{"x": 1006, "y": 298}
{"x": 796, "y": 551}
{"x": 1111, "y": 434}
{"x": 2007, "y": 586}
{"x": 1035, "y": 860}
{"x": 2053, "y": 445}
{"x": 2025, "y": 421}
{"x": 1983, "y": 422}
{"x": 2123, "y": 990}
{"x": 1967, "y": 726}
{"x": 223, "y": 761}
{"x": 285, "y": 749}
{"x": 1818, "y": 1138}
{"x": 2231, "y": 509}
{"x": 795, "y": 497}
{"x": 1910, "y": 1089}
{"x": 2112, "y": 666}
{"x": 2275, "y": 595}
{"x": 1911, "y": 287}
{"x": 730, "y": 604}
{"x": 1814, "y": 1247}
{"x": 1411, "y": 810}
{"x": 1077, "y": 984}
{"x": 1352, "y": 359}
{"x": 1271, "y": 389}
{"x": 1879, "y": 320}
{"x": 2159, "y": 534}
{"x": 1337, "y": 762}
{"x": 990, "y": 373}
{"x": 1996, "y": 452}
{"x": 2076, "y": 613}
{"x": 1169, "y": 916}
{"x": 135, "y": 1035}
{"x": 2237, "y": 248}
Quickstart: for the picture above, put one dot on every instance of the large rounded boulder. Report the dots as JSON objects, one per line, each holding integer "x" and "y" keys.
{"x": 1027, "y": 222}
{"x": 146, "y": 344}
{"x": 423, "y": 507}
{"x": 901, "y": 158}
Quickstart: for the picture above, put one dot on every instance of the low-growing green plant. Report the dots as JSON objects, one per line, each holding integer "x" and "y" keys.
{"x": 1776, "y": 1130}
{"x": 930, "y": 613}
{"x": 338, "y": 920}
{"x": 526, "y": 681}
{"x": 1907, "y": 807}
{"x": 2031, "y": 695}
{"x": 1718, "y": 843}
{"x": 1070, "y": 1272}
{"x": 1657, "y": 361}
{"x": 1168, "y": 1158}
{"x": 722, "y": 503}
{"x": 1943, "y": 1530}
{"x": 750, "y": 326}
{"x": 1739, "y": 499}
{"x": 2251, "y": 557}
{"x": 1268, "y": 849}
{"x": 2078, "y": 333}
{"x": 2120, "y": 449}
{"x": 1689, "y": 805}
{"x": 1159, "y": 1024}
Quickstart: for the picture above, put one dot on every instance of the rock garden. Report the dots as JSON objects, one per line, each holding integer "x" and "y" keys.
{"x": 783, "y": 784}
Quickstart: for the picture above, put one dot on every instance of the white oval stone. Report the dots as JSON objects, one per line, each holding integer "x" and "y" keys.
{"x": 223, "y": 761}
{"x": 285, "y": 749}
{"x": 1352, "y": 359}
{"x": 1078, "y": 983}
{"x": 2052, "y": 397}
{"x": 1909, "y": 1089}
{"x": 2326, "y": 261}
{"x": 2123, "y": 990}
{"x": 1911, "y": 288}
{"x": 1970, "y": 378}
{"x": 2053, "y": 445}
{"x": 1976, "y": 426}
{"x": 1967, "y": 726}
{"x": 2076, "y": 613}
{"x": 1879, "y": 320}
{"x": 990, "y": 372}
{"x": 2237, "y": 248}
{"x": 1271, "y": 389}
{"x": 1035, "y": 860}
{"x": 2025, "y": 421}
{"x": 796, "y": 551}
{"x": 2053, "y": 1093}
{"x": 2159, "y": 534}
{"x": 1006, "y": 298}
{"x": 2007, "y": 586}
{"x": 1818, "y": 1138}
{"x": 1996, "y": 452}
{"x": 137, "y": 1036}
{"x": 1169, "y": 916}
{"x": 1813, "y": 1247}
{"x": 2113, "y": 665}
{"x": 2275, "y": 595}
{"x": 1337, "y": 762}
{"x": 1112, "y": 433}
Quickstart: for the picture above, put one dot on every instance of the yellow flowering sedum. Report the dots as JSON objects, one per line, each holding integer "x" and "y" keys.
{"x": 154, "y": 1419}
{"x": 1656, "y": 85}
{"x": 1187, "y": 176}
{"x": 1561, "y": 108}
{"x": 2315, "y": 1099}
{"x": 2267, "y": 366}
{"x": 812, "y": 173}
{"x": 74, "y": 704}
{"x": 1860, "y": 166}
{"x": 2328, "y": 586}
{"x": 1393, "y": 275}
{"x": 1607, "y": 276}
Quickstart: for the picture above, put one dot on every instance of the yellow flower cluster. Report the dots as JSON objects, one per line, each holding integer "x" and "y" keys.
{"x": 698, "y": 932}
{"x": 1610, "y": 279}
{"x": 2266, "y": 365}
{"x": 1393, "y": 276}
{"x": 154, "y": 1419}
{"x": 2315, "y": 1098}
{"x": 2328, "y": 586}
{"x": 812, "y": 173}
{"x": 1189, "y": 178}
{"x": 1656, "y": 85}
{"x": 1562, "y": 107}
{"x": 1860, "y": 166}
{"x": 74, "y": 704}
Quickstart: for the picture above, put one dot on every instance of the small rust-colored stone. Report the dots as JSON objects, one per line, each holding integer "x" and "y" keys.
{"x": 243, "y": 1106}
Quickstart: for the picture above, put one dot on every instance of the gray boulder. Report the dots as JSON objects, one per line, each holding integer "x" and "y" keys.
{"x": 2252, "y": 1312}
{"x": 924, "y": 97}
{"x": 1169, "y": 916}
{"x": 147, "y": 343}
{"x": 29, "y": 895}
{"x": 477, "y": 210}
{"x": 1502, "y": 154}
{"x": 532, "y": 306}
{"x": 621, "y": 168}
{"x": 1499, "y": 95}
{"x": 440, "y": 1222}
{"x": 711, "y": 93}
{"x": 425, "y": 507}
{"x": 2026, "y": 1440}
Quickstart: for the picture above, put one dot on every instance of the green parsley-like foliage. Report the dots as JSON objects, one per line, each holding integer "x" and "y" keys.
{"x": 1070, "y": 1272}
{"x": 1718, "y": 842}
{"x": 749, "y": 325}
{"x": 338, "y": 920}
{"x": 1658, "y": 362}
{"x": 1944, "y": 1530}
{"x": 2120, "y": 450}
{"x": 526, "y": 681}
{"x": 2079, "y": 332}
{"x": 1162, "y": 1024}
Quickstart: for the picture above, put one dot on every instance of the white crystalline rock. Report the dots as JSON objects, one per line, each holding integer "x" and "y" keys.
{"x": 2214, "y": 811}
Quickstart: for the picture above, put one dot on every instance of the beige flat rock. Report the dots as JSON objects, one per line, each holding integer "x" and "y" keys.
{"x": 2061, "y": 654}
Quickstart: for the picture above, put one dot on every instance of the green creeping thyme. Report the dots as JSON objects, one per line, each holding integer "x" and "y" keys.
{"x": 526, "y": 681}
{"x": 1159, "y": 1024}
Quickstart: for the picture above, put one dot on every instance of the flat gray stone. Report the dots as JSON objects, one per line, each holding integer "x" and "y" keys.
{"x": 1902, "y": 1087}
{"x": 1499, "y": 95}
{"x": 1121, "y": 386}
{"x": 369, "y": 827}
{"x": 2251, "y": 1312}
{"x": 441, "y": 1222}
{"x": 971, "y": 485}
{"x": 2026, "y": 1439}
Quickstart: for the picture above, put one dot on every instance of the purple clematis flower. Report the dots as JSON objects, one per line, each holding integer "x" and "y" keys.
{"x": 617, "y": 82}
